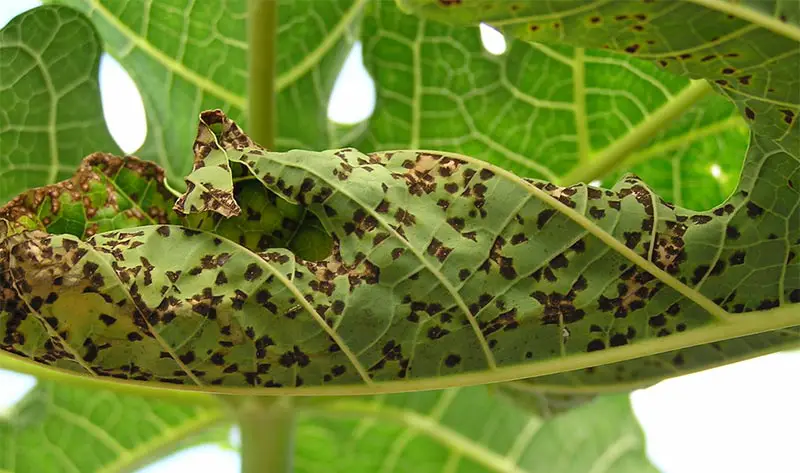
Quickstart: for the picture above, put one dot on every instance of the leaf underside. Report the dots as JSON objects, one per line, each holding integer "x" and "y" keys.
{"x": 438, "y": 269}
{"x": 421, "y": 284}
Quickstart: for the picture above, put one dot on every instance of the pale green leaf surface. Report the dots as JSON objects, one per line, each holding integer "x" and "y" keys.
{"x": 547, "y": 111}
{"x": 186, "y": 56}
{"x": 60, "y": 428}
{"x": 50, "y": 111}
{"x": 468, "y": 430}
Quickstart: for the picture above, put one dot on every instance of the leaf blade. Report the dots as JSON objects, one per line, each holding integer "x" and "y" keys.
{"x": 167, "y": 60}
{"x": 466, "y": 430}
{"x": 43, "y": 141}
{"x": 113, "y": 432}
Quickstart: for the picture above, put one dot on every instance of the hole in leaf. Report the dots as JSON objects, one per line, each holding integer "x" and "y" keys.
{"x": 122, "y": 105}
{"x": 493, "y": 40}
{"x": 15, "y": 387}
{"x": 200, "y": 459}
{"x": 8, "y": 10}
{"x": 353, "y": 97}
{"x": 235, "y": 437}
{"x": 716, "y": 171}
{"x": 596, "y": 183}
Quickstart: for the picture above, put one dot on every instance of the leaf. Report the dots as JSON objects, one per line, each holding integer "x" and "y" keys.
{"x": 106, "y": 193}
{"x": 188, "y": 56}
{"x": 404, "y": 223}
{"x": 51, "y": 112}
{"x": 61, "y": 428}
{"x": 754, "y": 66}
{"x": 218, "y": 184}
{"x": 554, "y": 112}
{"x": 467, "y": 430}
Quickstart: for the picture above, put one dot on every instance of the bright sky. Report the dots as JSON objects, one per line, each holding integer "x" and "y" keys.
{"x": 741, "y": 418}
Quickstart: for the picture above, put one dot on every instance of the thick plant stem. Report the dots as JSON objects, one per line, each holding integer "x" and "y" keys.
{"x": 608, "y": 159}
{"x": 267, "y": 428}
{"x": 262, "y": 32}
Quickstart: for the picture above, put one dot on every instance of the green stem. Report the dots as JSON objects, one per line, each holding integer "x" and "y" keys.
{"x": 608, "y": 159}
{"x": 267, "y": 428}
{"x": 262, "y": 29}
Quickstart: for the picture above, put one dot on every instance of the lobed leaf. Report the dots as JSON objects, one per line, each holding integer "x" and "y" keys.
{"x": 188, "y": 56}
{"x": 749, "y": 52}
{"x": 467, "y": 430}
{"x": 61, "y": 428}
{"x": 444, "y": 270}
{"x": 555, "y": 112}
{"x": 48, "y": 120}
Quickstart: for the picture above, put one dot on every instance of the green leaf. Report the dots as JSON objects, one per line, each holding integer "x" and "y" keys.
{"x": 189, "y": 56}
{"x": 61, "y": 428}
{"x": 554, "y": 112}
{"x": 51, "y": 112}
{"x": 544, "y": 403}
{"x": 467, "y": 430}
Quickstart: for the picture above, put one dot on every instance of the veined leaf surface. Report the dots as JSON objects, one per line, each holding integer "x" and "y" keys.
{"x": 554, "y": 112}
{"x": 188, "y": 56}
{"x": 48, "y": 120}
{"x": 441, "y": 271}
{"x": 467, "y": 430}
{"x": 445, "y": 270}
{"x": 61, "y": 428}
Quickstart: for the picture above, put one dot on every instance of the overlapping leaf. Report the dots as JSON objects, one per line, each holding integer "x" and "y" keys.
{"x": 549, "y": 111}
{"x": 48, "y": 120}
{"x": 187, "y": 56}
{"x": 442, "y": 266}
{"x": 750, "y": 53}
{"x": 58, "y": 428}
{"x": 87, "y": 429}
{"x": 445, "y": 269}
{"x": 466, "y": 430}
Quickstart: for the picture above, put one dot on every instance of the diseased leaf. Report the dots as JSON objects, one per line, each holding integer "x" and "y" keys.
{"x": 750, "y": 52}
{"x": 50, "y": 111}
{"x": 61, "y": 428}
{"x": 438, "y": 270}
{"x": 467, "y": 430}
{"x": 219, "y": 183}
{"x": 106, "y": 193}
{"x": 553, "y": 112}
